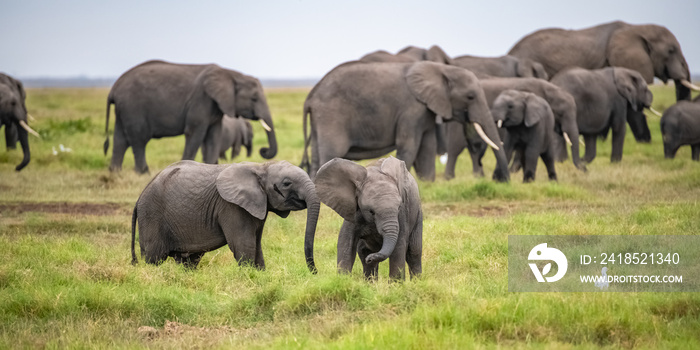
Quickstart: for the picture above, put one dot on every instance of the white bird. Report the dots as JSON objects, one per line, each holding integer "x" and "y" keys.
{"x": 603, "y": 284}
{"x": 54, "y": 150}
{"x": 443, "y": 159}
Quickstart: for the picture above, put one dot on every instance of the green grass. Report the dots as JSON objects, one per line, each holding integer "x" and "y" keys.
{"x": 66, "y": 278}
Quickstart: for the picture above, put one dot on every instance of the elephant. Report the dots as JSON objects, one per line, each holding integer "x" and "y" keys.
{"x": 366, "y": 110}
{"x": 13, "y": 115}
{"x": 235, "y": 132}
{"x": 503, "y": 66}
{"x": 605, "y": 99}
{"x": 382, "y": 215}
{"x": 651, "y": 50}
{"x": 157, "y": 99}
{"x": 680, "y": 125}
{"x": 191, "y": 208}
{"x": 409, "y": 54}
{"x": 529, "y": 123}
{"x": 561, "y": 102}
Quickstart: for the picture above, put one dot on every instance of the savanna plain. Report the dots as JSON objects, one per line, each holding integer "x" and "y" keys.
{"x": 66, "y": 280}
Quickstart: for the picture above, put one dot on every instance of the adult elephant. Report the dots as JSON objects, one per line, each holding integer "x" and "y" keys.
{"x": 561, "y": 102}
{"x": 651, "y": 50}
{"x": 13, "y": 115}
{"x": 503, "y": 66}
{"x": 606, "y": 99}
{"x": 366, "y": 110}
{"x": 158, "y": 99}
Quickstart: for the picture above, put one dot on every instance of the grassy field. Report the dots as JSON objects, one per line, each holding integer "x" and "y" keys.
{"x": 66, "y": 278}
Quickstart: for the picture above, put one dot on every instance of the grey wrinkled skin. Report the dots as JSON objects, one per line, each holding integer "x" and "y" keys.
{"x": 502, "y": 66}
{"x": 382, "y": 212}
{"x": 235, "y": 133}
{"x": 607, "y": 99}
{"x": 191, "y": 208}
{"x": 529, "y": 124}
{"x": 680, "y": 125}
{"x": 159, "y": 99}
{"x": 13, "y": 110}
{"x": 365, "y": 110}
{"x": 651, "y": 50}
{"x": 561, "y": 102}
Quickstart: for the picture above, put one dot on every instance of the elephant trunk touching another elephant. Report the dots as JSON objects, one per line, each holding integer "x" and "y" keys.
{"x": 313, "y": 207}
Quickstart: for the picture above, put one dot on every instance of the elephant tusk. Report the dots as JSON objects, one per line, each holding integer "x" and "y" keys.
{"x": 29, "y": 116}
{"x": 438, "y": 120}
{"x": 568, "y": 140}
{"x": 486, "y": 139}
{"x": 29, "y": 130}
{"x": 265, "y": 126}
{"x": 655, "y": 112}
{"x": 689, "y": 85}
{"x": 500, "y": 123}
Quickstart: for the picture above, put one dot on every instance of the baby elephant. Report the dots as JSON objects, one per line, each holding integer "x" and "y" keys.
{"x": 680, "y": 125}
{"x": 191, "y": 208}
{"x": 382, "y": 212}
{"x": 235, "y": 132}
{"x": 529, "y": 123}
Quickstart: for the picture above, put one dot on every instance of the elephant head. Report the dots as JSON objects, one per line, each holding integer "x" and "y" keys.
{"x": 526, "y": 68}
{"x": 279, "y": 187}
{"x": 433, "y": 54}
{"x": 632, "y": 86}
{"x": 513, "y": 108}
{"x": 238, "y": 94}
{"x": 454, "y": 93}
{"x": 653, "y": 51}
{"x": 13, "y": 112}
{"x": 375, "y": 195}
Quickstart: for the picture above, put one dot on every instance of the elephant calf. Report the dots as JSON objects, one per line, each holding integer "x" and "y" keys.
{"x": 382, "y": 212}
{"x": 235, "y": 132}
{"x": 530, "y": 124}
{"x": 191, "y": 208}
{"x": 680, "y": 125}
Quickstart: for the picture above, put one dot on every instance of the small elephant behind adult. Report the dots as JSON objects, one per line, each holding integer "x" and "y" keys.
{"x": 502, "y": 66}
{"x": 409, "y": 54}
{"x": 235, "y": 133}
{"x": 680, "y": 125}
{"x": 191, "y": 208}
{"x": 529, "y": 123}
{"x": 607, "y": 98}
{"x": 382, "y": 212}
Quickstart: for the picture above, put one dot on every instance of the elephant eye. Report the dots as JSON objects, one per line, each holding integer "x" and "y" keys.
{"x": 286, "y": 183}
{"x": 371, "y": 212}
{"x": 672, "y": 50}
{"x": 471, "y": 95}
{"x": 510, "y": 106}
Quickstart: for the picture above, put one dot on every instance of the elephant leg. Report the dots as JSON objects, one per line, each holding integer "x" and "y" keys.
{"x": 11, "y": 136}
{"x": 259, "y": 260}
{"x": 559, "y": 145}
{"x": 241, "y": 239}
{"x": 194, "y": 137}
{"x": 425, "y": 160}
{"x": 119, "y": 147}
{"x": 188, "y": 260}
{"x": 477, "y": 150}
{"x": 328, "y": 147}
{"x": 407, "y": 150}
{"x": 211, "y": 151}
{"x": 591, "y": 142}
{"x": 139, "y": 149}
{"x": 370, "y": 270}
{"x": 531, "y": 157}
{"x": 695, "y": 151}
{"x": 397, "y": 261}
{"x": 347, "y": 247}
{"x": 456, "y": 143}
{"x": 618, "y": 141}
{"x": 548, "y": 160}
{"x": 415, "y": 250}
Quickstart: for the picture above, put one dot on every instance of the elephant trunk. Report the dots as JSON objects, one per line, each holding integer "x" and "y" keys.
{"x": 269, "y": 152}
{"x": 24, "y": 141}
{"x": 388, "y": 227}
{"x": 313, "y": 206}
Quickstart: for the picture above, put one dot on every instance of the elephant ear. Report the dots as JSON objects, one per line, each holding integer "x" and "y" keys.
{"x": 336, "y": 185}
{"x": 396, "y": 169}
{"x": 522, "y": 69}
{"x": 536, "y": 109}
{"x": 220, "y": 86}
{"x": 436, "y": 54}
{"x": 626, "y": 83}
{"x": 627, "y": 48}
{"x": 240, "y": 184}
{"x": 428, "y": 84}
{"x": 539, "y": 71}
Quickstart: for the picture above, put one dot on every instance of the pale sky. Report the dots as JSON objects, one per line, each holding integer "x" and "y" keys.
{"x": 294, "y": 39}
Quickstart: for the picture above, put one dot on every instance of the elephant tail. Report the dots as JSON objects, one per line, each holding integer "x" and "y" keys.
{"x": 134, "y": 216}
{"x": 307, "y": 140}
{"x": 110, "y": 101}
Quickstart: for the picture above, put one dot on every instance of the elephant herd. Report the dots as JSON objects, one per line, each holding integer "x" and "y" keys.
{"x": 553, "y": 86}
